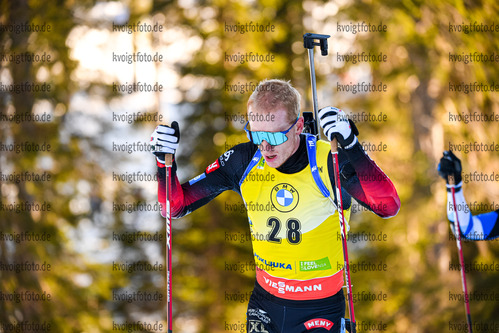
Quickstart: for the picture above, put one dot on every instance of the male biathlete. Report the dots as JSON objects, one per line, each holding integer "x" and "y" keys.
{"x": 297, "y": 251}
{"x": 472, "y": 227}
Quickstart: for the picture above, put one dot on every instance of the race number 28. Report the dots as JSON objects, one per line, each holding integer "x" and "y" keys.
{"x": 293, "y": 233}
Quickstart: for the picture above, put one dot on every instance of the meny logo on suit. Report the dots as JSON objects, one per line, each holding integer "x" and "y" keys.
{"x": 318, "y": 323}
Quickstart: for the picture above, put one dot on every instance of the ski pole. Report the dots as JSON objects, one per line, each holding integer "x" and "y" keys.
{"x": 309, "y": 43}
{"x": 334, "y": 153}
{"x": 168, "y": 166}
{"x": 461, "y": 258}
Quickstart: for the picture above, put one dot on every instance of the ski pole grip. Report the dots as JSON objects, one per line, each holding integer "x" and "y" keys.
{"x": 168, "y": 159}
{"x": 334, "y": 145}
{"x": 309, "y": 41}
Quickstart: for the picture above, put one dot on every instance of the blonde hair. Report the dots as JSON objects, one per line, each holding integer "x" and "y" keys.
{"x": 271, "y": 95}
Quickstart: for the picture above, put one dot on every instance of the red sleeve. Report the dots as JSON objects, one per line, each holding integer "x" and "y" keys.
{"x": 368, "y": 184}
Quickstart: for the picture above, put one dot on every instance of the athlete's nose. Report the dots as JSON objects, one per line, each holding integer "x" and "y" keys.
{"x": 265, "y": 146}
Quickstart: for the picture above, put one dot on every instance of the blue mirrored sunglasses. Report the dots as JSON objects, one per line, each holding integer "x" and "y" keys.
{"x": 273, "y": 138}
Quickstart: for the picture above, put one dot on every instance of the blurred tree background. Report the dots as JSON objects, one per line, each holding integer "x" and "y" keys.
{"x": 212, "y": 272}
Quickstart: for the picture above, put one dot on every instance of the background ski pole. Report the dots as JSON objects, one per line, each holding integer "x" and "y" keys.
{"x": 309, "y": 43}
{"x": 168, "y": 167}
{"x": 461, "y": 258}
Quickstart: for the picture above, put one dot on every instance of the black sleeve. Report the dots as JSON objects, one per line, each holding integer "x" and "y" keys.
{"x": 222, "y": 175}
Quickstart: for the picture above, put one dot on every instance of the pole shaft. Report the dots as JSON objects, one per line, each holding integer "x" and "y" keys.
{"x": 461, "y": 257}
{"x": 314, "y": 89}
{"x": 334, "y": 153}
{"x": 168, "y": 165}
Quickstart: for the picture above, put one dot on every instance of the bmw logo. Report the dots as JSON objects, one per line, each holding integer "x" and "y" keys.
{"x": 284, "y": 197}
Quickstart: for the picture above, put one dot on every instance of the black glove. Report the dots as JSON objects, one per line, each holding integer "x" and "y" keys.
{"x": 450, "y": 165}
{"x": 165, "y": 140}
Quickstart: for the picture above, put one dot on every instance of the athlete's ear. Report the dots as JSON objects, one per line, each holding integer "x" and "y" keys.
{"x": 299, "y": 125}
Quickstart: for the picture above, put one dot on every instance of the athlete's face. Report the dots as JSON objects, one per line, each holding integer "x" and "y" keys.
{"x": 275, "y": 121}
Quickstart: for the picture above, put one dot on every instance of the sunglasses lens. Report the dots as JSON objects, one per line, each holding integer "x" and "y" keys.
{"x": 273, "y": 139}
